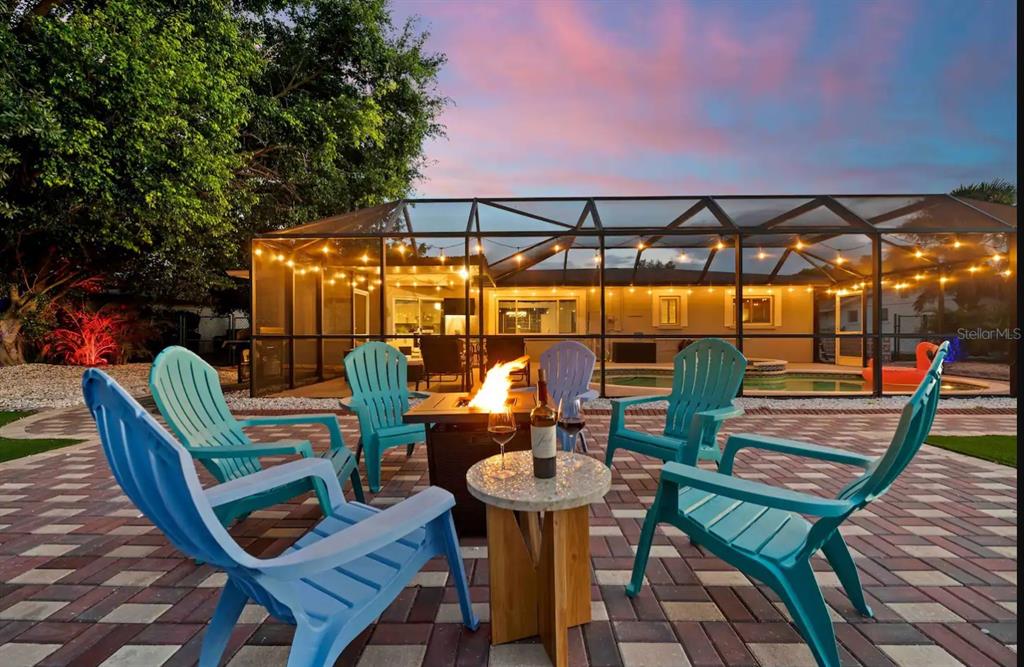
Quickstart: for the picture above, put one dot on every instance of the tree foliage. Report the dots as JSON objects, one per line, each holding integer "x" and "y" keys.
{"x": 144, "y": 141}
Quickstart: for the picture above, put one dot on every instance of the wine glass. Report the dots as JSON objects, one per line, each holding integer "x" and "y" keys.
{"x": 501, "y": 424}
{"x": 570, "y": 418}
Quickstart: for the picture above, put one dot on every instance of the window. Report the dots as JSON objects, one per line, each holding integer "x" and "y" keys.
{"x": 669, "y": 311}
{"x": 415, "y": 315}
{"x": 758, "y": 310}
{"x": 541, "y": 316}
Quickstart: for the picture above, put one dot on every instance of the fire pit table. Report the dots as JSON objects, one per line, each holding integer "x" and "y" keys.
{"x": 539, "y": 565}
{"x": 456, "y": 439}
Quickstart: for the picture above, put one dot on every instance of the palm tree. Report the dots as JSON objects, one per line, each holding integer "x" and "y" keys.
{"x": 998, "y": 191}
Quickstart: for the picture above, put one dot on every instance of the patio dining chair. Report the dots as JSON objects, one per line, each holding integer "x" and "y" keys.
{"x": 331, "y": 584}
{"x": 569, "y": 365}
{"x": 706, "y": 376}
{"x": 378, "y": 375}
{"x": 442, "y": 358}
{"x": 187, "y": 393}
{"x": 503, "y": 349}
{"x": 761, "y": 530}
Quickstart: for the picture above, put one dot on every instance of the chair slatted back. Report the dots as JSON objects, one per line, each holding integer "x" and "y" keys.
{"x": 378, "y": 374}
{"x": 155, "y": 472}
{"x": 187, "y": 392}
{"x": 706, "y": 375}
{"x": 915, "y": 422}
{"x": 569, "y": 366}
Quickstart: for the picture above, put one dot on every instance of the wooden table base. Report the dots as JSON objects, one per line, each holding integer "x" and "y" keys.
{"x": 539, "y": 576}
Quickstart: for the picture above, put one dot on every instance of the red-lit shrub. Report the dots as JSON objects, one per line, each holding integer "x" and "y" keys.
{"x": 88, "y": 337}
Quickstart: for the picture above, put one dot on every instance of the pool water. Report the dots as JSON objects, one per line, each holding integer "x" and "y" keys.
{"x": 797, "y": 383}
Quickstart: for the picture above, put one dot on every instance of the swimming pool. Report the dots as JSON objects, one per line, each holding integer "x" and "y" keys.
{"x": 796, "y": 383}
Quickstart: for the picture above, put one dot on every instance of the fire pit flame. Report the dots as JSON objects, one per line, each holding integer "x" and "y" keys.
{"x": 493, "y": 393}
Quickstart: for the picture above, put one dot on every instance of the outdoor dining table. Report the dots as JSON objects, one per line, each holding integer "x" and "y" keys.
{"x": 539, "y": 565}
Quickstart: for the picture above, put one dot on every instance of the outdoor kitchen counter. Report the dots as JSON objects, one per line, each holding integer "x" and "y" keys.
{"x": 539, "y": 565}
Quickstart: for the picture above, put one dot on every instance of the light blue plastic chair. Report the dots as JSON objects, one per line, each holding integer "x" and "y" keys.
{"x": 759, "y": 529}
{"x": 187, "y": 393}
{"x": 378, "y": 375}
{"x": 706, "y": 377}
{"x": 331, "y": 584}
{"x": 568, "y": 367}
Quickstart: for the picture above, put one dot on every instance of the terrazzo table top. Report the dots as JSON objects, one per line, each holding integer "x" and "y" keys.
{"x": 579, "y": 480}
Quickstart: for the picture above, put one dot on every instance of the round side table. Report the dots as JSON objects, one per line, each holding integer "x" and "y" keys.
{"x": 539, "y": 565}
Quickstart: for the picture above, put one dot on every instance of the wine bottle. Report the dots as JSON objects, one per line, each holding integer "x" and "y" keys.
{"x": 542, "y": 431}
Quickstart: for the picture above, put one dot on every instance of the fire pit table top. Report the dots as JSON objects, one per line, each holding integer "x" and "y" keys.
{"x": 453, "y": 409}
{"x": 579, "y": 480}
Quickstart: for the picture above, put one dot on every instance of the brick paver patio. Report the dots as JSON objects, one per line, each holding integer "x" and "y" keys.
{"x": 87, "y": 581}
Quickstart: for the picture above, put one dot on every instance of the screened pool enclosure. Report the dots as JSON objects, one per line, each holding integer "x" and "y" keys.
{"x": 808, "y": 287}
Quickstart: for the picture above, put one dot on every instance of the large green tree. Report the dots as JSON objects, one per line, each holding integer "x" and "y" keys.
{"x": 142, "y": 142}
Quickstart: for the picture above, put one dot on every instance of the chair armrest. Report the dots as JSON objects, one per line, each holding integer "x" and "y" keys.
{"x": 296, "y": 447}
{"x": 279, "y": 475}
{"x": 703, "y": 431}
{"x": 327, "y": 419}
{"x": 746, "y": 490}
{"x": 784, "y": 446}
{"x": 370, "y": 534}
{"x": 619, "y": 406}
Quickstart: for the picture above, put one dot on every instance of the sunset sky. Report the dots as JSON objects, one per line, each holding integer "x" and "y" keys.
{"x": 629, "y": 98}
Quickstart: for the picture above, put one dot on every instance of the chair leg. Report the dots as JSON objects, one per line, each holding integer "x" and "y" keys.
{"x": 357, "y": 485}
{"x": 409, "y": 449}
{"x": 446, "y": 525}
{"x": 359, "y": 450}
{"x": 643, "y": 548}
{"x": 583, "y": 442}
{"x": 838, "y": 555}
{"x": 609, "y": 453}
{"x": 373, "y": 467}
{"x": 311, "y": 646}
{"x": 229, "y": 608}
{"x": 799, "y": 590}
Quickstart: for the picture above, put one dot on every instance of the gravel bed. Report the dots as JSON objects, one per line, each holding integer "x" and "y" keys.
{"x": 41, "y": 386}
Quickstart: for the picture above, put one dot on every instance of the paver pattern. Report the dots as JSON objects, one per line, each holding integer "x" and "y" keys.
{"x": 85, "y": 580}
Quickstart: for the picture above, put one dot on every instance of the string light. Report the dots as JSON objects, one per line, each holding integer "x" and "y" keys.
{"x": 557, "y": 247}
{"x": 464, "y": 273}
{"x": 1007, "y": 273}
{"x": 799, "y": 245}
{"x": 290, "y": 263}
{"x": 326, "y": 249}
{"x": 597, "y": 259}
{"x": 719, "y": 245}
{"x": 839, "y": 259}
{"x": 943, "y": 280}
{"x": 519, "y": 258}
{"x": 279, "y": 257}
{"x": 918, "y": 276}
{"x": 640, "y": 245}
{"x": 365, "y": 258}
{"x": 997, "y": 257}
{"x": 683, "y": 257}
{"x": 258, "y": 252}
{"x": 442, "y": 257}
{"x": 761, "y": 254}
{"x": 972, "y": 269}
{"x": 479, "y": 249}
{"x": 918, "y": 253}
{"x": 956, "y": 243}
{"x": 631, "y": 289}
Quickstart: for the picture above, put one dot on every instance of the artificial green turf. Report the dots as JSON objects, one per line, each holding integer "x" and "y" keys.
{"x": 998, "y": 448}
{"x": 15, "y": 448}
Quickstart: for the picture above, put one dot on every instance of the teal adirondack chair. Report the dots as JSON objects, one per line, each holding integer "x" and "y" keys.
{"x": 758, "y": 528}
{"x": 331, "y": 584}
{"x": 187, "y": 392}
{"x": 378, "y": 375}
{"x": 706, "y": 377}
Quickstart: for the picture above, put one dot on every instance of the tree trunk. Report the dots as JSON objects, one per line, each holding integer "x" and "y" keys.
{"x": 11, "y": 344}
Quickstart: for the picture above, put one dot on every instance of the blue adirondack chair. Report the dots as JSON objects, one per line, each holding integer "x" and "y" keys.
{"x": 379, "y": 377}
{"x": 331, "y": 584}
{"x": 568, "y": 367}
{"x": 187, "y": 392}
{"x": 706, "y": 376}
{"x": 759, "y": 529}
